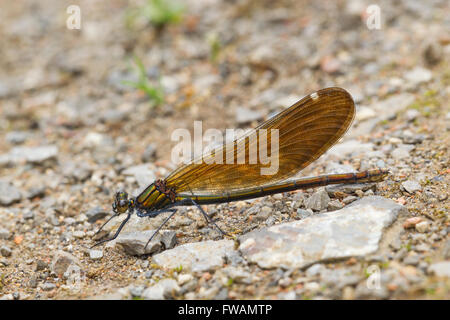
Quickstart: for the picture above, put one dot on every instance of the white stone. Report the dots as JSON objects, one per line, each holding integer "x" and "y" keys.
{"x": 355, "y": 230}
{"x": 196, "y": 257}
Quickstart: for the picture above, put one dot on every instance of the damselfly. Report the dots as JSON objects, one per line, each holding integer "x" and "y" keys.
{"x": 305, "y": 131}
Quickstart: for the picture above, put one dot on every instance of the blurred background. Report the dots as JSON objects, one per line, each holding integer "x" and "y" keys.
{"x": 86, "y": 111}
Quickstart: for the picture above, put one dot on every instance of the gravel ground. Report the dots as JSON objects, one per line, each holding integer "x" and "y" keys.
{"x": 72, "y": 134}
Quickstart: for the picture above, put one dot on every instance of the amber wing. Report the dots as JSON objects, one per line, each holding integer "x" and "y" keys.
{"x": 306, "y": 130}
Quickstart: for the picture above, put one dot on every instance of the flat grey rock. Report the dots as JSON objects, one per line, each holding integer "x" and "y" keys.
{"x": 8, "y": 193}
{"x": 35, "y": 155}
{"x": 355, "y": 230}
{"x": 196, "y": 257}
{"x": 411, "y": 186}
{"x": 134, "y": 242}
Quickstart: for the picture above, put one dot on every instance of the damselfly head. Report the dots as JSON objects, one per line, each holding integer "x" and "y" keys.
{"x": 122, "y": 203}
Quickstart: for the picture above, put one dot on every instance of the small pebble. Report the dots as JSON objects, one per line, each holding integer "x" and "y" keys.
{"x": 318, "y": 201}
{"x": 423, "y": 226}
{"x": 9, "y": 194}
{"x": 412, "y": 260}
{"x": 79, "y": 234}
{"x": 41, "y": 265}
{"x": 163, "y": 289}
{"x": 334, "y": 205}
{"x": 418, "y": 75}
{"x": 277, "y": 196}
{"x": 36, "y": 192}
{"x": 184, "y": 278}
{"x": 433, "y": 53}
{"x": 359, "y": 193}
{"x": 411, "y": 222}
{"x": 96, "y": 254}
{"x": 245, "y": 115}
{"x": 412, "y": 114}
{"x": 400, "y": 153}
{"x": 4, "y": 234}
{"x": 33, "y": 282}
{"x": 149, "y": 153}
{"x": 411, "y": 186}
{"x": 16, "y": 137}
{"x": 312, "y": 287}
{"x": 315, "y": 270}
{"x": 48, "y": 286}
{"x": 95, "y": 214}
{"x": 301, "y": 213}
{"x": 348, "y": 293}
{"x": 28, "y": 215}
{"x": 4, "y": 262}
{"x": 69, "y": 221}
{"x": 5, "y": 251}
{"x": 284, "y": 282}
{"x": 263, "y": 214}
{"x": 349, "y": 199}
{"x": 136, "y": 291}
